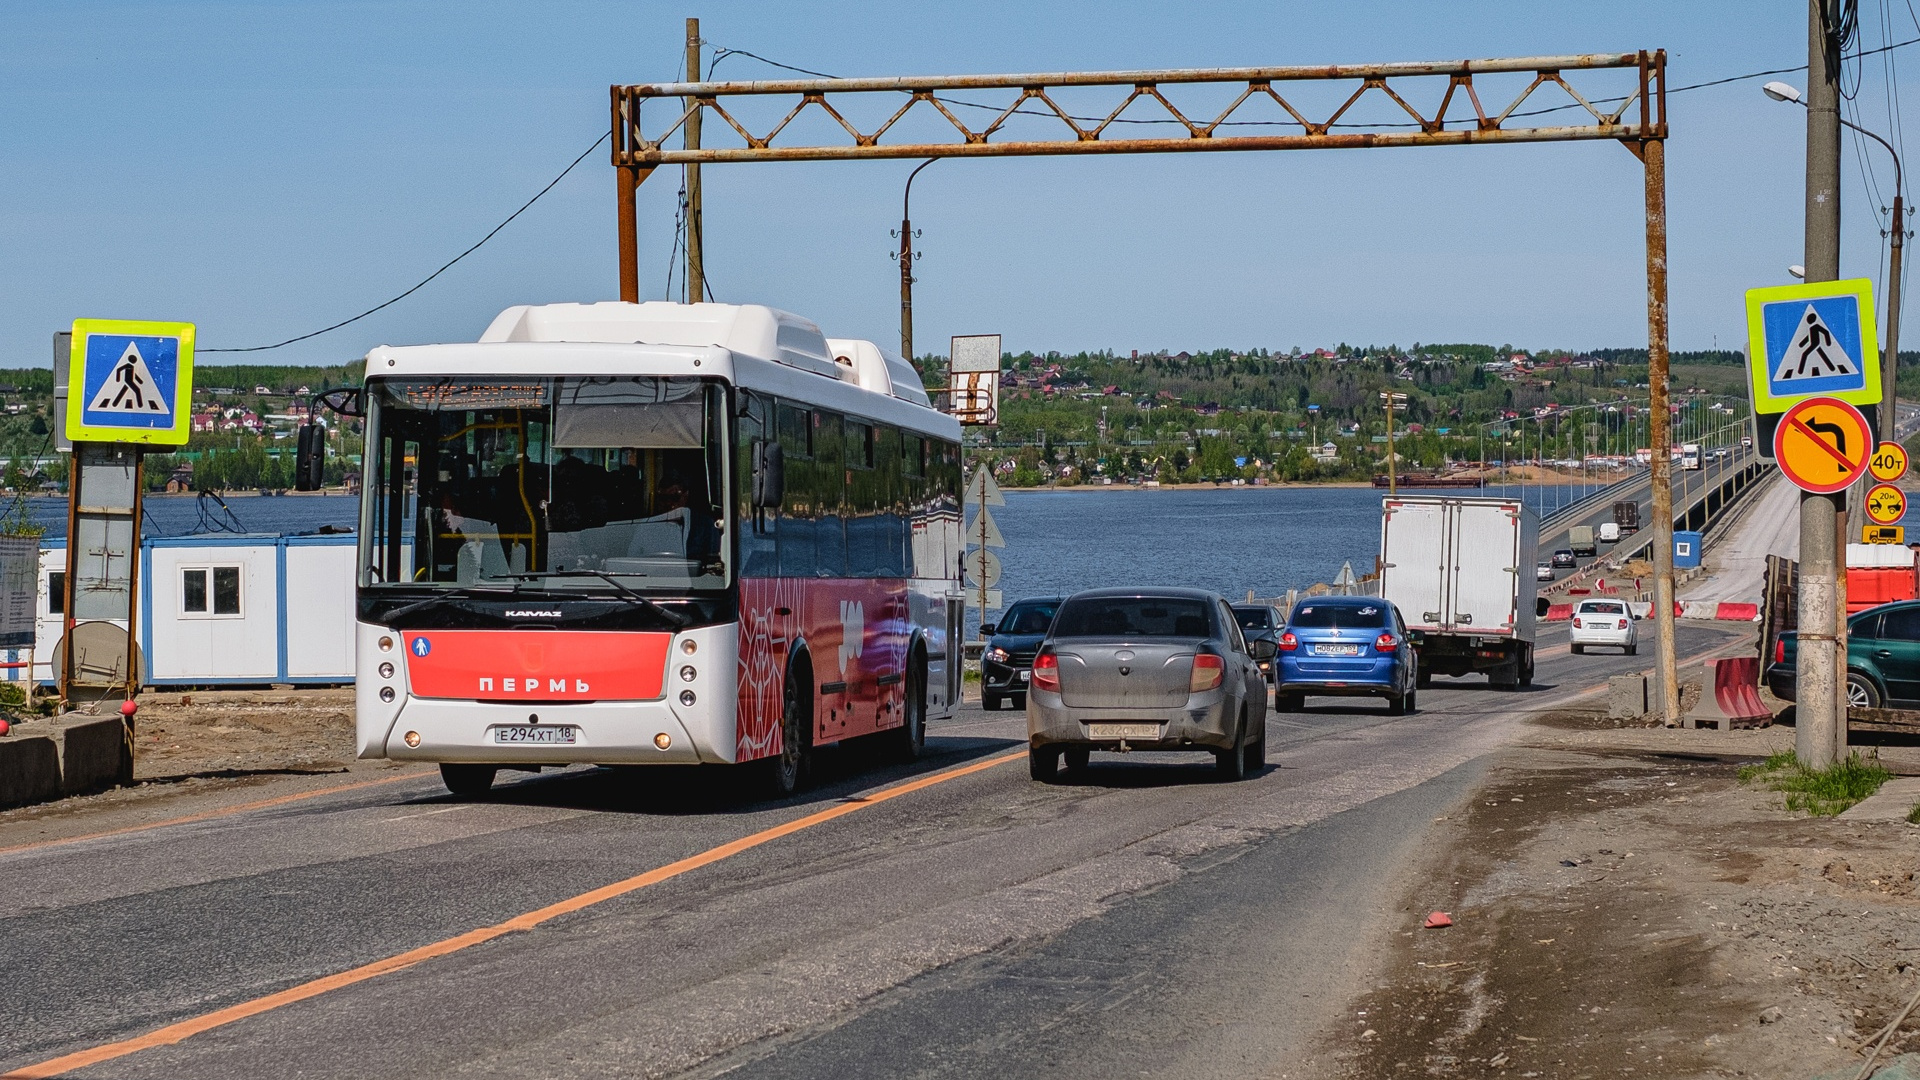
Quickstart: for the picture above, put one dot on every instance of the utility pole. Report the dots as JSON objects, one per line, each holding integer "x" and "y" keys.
{"x": 1392, "y": 401}
{"x": 696, "y": 263}
{"x": 1820, "y": 733}
{"x": 1890, "y": 365}
{"x": 1653, "y": 155}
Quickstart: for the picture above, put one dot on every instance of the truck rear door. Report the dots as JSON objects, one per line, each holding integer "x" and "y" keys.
{"x": 1416, "y": 545}
{"x": 1486, "y": 557}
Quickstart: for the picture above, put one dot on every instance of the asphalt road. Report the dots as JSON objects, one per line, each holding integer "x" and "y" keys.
{"x": 1145, "y": 921}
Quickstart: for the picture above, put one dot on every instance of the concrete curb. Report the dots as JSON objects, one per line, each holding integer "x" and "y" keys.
{"x": 1895, "y": 799}
{"x": 72, "y": 755}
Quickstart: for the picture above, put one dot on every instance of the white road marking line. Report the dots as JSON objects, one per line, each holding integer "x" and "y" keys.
{"x": 424, "y": 813}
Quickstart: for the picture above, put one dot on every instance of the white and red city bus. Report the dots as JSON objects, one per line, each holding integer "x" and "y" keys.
{"x": 652, "y": 533}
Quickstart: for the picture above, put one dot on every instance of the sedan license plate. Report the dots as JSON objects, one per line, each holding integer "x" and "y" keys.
{"x": 536, "y": 733}
{"x": 1021, "y": 675}
{"x": 1336, "y": 650}
{"x": 1123, "y": 731}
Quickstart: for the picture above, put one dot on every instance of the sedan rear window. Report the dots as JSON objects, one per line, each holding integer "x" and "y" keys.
{"x": 1603, "y": 607}
{"x": 1132, "y": 616}
{"x": 1254, "y": 618}
{"x": 1339, "y": 616}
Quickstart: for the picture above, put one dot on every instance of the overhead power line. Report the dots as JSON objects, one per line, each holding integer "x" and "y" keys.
{"x": 721, "y": 53}
{"x": 443, "y": 269}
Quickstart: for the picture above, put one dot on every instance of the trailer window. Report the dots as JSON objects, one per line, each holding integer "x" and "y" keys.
{"x": 210, "y": 591}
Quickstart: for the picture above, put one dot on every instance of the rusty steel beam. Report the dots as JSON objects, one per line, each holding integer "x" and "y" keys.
{"x": 1583, "y": 61}
{"x": 1043, "y": 148}
{"x": 635, "y": 154}
{"x": 1469, "y": 122}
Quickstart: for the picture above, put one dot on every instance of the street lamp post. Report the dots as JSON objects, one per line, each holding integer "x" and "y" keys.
{"x": 906, "y": 256}
{"x": 1890, "y": 365}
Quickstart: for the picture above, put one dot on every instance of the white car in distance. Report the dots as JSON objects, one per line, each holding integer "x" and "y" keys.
{"x": 1603, "y": 622}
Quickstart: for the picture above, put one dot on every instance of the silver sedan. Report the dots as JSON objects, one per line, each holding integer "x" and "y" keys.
{"x": 1147, "y": 669}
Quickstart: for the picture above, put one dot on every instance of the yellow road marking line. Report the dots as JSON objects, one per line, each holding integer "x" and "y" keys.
{"x": 177, "y": 1032}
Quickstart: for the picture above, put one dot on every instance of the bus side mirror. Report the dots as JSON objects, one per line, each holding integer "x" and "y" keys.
{"x": 1540, "y": 606}
{"x": 1262, "y": 649}
{"x": 310, "y": 458}
{"x": 769, "y": 474}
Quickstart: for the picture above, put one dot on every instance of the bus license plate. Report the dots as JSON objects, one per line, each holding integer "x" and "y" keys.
{"x": 1123, "y": 731}
{"x": 1336, "y": 650}
{"x": 535, "y": 733}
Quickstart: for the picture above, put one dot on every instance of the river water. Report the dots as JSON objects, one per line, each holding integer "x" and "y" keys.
{"x": 1229, "y": 540}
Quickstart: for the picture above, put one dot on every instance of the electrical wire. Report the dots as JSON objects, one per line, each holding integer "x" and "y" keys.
{"x": 443, "y": 269}
{"x": 723, "y": 53}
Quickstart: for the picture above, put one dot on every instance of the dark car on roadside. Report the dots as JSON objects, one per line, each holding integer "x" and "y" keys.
{"x": 1147, "y": 669}
{"x": 1563, "y": 558}
{"x": 1346, "y": 646}
{"x": 1883, "y": 659}
{"x": 1011, "y": 644}
{"x": 1260, "y": 622}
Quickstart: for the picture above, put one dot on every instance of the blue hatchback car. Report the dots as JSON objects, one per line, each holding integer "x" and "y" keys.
{"x": 1345, "y": 646}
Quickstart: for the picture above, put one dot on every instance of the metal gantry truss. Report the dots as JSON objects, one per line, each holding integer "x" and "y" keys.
{"x": 1364, "y": 106}
{"x": 1149, "y": 100}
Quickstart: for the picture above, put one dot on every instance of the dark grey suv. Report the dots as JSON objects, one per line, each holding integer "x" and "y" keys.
{"x": 1147, "y": 669}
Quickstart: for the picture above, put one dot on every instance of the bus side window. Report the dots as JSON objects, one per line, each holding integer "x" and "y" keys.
{"x": 829, "y": 493}
{"x": 796, "y": 527}
{"x": 757, "y": 529}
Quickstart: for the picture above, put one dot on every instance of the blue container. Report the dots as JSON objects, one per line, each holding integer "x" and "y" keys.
{"x": 1686, "y": 550}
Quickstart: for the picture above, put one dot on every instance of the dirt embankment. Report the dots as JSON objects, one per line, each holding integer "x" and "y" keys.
{"x": 1624, "y": 906}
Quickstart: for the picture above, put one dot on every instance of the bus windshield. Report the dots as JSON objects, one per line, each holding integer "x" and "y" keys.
{"x": 557, "y": 482}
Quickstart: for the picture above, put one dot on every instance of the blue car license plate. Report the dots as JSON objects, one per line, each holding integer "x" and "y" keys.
{"x": 1336, "y": 650}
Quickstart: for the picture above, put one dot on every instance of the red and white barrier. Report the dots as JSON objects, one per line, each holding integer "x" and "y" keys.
{"x": 1729, "y": 696}
{"x": 1682, "y": 609}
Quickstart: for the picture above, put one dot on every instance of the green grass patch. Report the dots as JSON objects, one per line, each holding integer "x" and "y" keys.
{"x": 1820, "y": 792}
{"x": 1913, "y": 815}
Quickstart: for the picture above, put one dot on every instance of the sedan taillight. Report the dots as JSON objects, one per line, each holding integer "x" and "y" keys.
{"x": 1288, "y": 642}
{"x": 1780, "y": 651}
{"x": 1576, "y": 624}
{"x": 1208, "y": 672}
{"x": 1046, "y": 672}
{"x": 1623, "y": 624}
{"x": 1386, "y": 643}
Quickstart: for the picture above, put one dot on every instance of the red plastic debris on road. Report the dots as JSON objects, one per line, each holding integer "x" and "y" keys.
{"x": 1437, "y": 920}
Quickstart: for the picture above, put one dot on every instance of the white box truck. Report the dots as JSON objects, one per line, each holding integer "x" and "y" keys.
{"x": 1461, "y": 572}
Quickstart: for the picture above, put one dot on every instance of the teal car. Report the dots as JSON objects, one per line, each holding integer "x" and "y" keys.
{"x": 1883, "y": 659}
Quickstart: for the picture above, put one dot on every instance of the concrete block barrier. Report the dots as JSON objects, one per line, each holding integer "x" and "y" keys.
{"x": 1730, "y": 696}
{"x": 48, "y": 759}
{"x": 1559, "y": 612}
{"x": 95, "y": 754}
{"x": 1626, "y": 697}
{"x": 29, "y": 770}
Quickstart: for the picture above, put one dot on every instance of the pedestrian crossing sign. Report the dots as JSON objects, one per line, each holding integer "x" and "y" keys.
{"x": 130, "y": 382}
{"x": 1813, "y": 340}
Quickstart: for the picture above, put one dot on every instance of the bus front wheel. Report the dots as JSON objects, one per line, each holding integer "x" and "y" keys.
{"x": 790, "y": 768}
{"x": 468, "y": 781}
{"x": 910, "y": 738}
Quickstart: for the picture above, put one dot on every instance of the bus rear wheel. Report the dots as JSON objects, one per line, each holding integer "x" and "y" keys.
{"x": 468, "y": 781}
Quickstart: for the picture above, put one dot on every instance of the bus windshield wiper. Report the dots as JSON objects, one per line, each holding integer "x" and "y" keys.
{"x": 418, "y": 605}
{"x": 673, "y": 618}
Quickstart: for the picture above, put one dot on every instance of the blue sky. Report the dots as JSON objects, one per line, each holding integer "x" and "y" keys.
{"x": 264, "y": 169}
